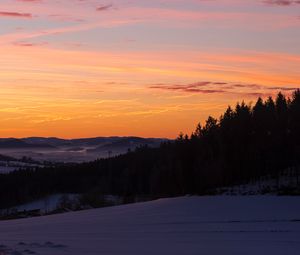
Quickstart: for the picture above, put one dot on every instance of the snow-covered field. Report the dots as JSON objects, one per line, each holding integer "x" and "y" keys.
{"x": 267, "y": 186}
{"x": 45, "y": 205}
{"x": 251, "y": 225}
{"x": 10, "y": 166}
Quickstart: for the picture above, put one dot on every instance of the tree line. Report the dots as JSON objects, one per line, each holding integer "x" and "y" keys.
{"x": 245, "y": 143}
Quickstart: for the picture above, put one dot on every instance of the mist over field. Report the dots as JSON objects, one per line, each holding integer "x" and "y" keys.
{"x": 73, "y": 150}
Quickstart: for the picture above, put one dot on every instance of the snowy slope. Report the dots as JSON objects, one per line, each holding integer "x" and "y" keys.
{"x": 45, "y": 205}
{"x": 10, "y": 166}
{"x": 187, "y": 226}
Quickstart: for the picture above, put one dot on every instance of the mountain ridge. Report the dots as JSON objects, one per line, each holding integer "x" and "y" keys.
{"x": 53, "y": 142}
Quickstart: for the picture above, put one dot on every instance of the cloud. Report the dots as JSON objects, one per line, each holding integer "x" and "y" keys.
{"x": 209, "y": 87}
{"x": 30, "y": 1}
{"x": 283, "y": 88}
{"x": 28, "y": 44}
{"x": 66, "y": 18}
{"x": 261, "y": 87}
{"x": 282, "y": 2}
{"x": 15, "y": 14}
{"x": 13, "y": 37}
{"x": 104, "y": 7}
{"x": 243, "y": 86}
{"x": 198, "y": 87}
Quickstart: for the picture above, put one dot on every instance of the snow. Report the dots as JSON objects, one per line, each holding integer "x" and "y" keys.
{"x": 11, "y": 166}
{"x": 45, "y": 205}
{"x": 50, "y": 203}
{"x": 227, "y": 225}
{"x": 265, "y": 185}
{"x": 7, "y": 169}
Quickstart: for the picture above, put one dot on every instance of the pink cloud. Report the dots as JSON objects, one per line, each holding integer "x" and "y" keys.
{"x": 28, "y": 44}
{"x": 282, "y": 2}
{"x": 104, "y": 7}
{"x": 29, "y": 1}
{"x": 88, "y": 11}
{"x": 13, "y": 37}
{"x": 15, "y": 14}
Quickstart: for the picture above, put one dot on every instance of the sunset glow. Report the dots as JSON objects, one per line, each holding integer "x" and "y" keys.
{"x": 82, "y": 68}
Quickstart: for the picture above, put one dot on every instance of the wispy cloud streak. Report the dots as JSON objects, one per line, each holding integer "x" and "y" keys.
{"x": 104, "y": 7}
{"x": 281, "y": 2}
{"x": 209, "y": 87}
{"x": 15, "y": 14}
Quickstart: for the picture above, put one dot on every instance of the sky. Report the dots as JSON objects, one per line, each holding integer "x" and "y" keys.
{"x": 86, "y": 68}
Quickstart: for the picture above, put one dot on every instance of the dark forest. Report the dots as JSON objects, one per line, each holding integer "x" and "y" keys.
{"x": 245, "y": 143}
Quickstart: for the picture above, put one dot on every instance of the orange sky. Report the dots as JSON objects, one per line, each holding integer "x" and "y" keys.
{"x": 140, "y": 69}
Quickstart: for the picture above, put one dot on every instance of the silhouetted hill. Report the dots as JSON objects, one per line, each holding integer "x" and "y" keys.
{"x": 14, "y": 143}
{"x": 121, "y": 143}
{"x": 72, "y": 150}
{"x": 6, "y": 158}
{"x": 96, "y": 141}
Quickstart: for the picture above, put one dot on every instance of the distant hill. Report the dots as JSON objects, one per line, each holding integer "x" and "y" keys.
{"x": 96, "y": 142}
{"x": 13, "y": 143}
{"x": 127, "y": 143}
{"x": 73, "y": 150}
